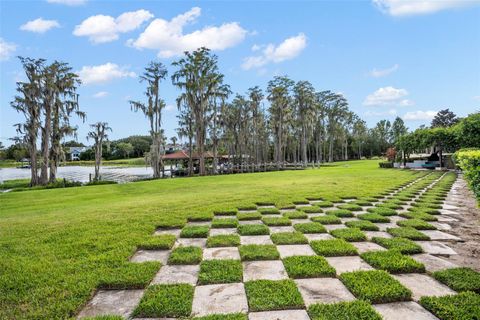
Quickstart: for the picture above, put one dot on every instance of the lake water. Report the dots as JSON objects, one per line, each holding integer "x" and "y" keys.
{"x": 81, "y": 173}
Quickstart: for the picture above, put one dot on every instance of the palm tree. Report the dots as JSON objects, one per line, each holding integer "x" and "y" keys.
{"x": 154, "y": 73}
{"x": 99, "y": 134}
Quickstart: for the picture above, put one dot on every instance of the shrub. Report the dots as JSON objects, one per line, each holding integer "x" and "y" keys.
{"x": 289, "y": 238}
{"x": 269, "y": 221}
{"x": 469, "y": 162}
{"x": 459, "y": 279}
{"x": 308, "y": 267}
{"x": 253, "y": 229}
{"x": 194, "y": 232}
{"x": 333, "y": 247}
{"x": 161, "y": 242}
{"x": 224, "y": 223}
{"x": 362, "y": 225}
{"x": 373, "y": 217}
{"x": 185, "y": 255}
{"x": 249, "y": 216}
{"x": 310, "y": 227}
{"x": 264, "y": 295}
{"x": 465, "y": 305}
{"x": 375, "y": 286}
{"x": 407, "y": 232}
{"x": 403, "y": 245}
{"x": 350, "y": 206}
{"x": 329, "y": 219}
{"x": 385, "y": 164}
{"x": 269, "y": 211}
{"x": 223, "y": 240}
{"x": 349, "y": 234}
{"x": 343, "y": 311}
{"x": 295, "y": 215}
{"x": 259, "y": 252}
{"x": 129, "y": 275}
{"x": 166, "y": 300}
{"x": 220, "y": 271}
{"x": 341, "y": 213}
{"x": 382, "y": 211}
{"x": 416, "y": 223}
{"x": 392, "y": 261}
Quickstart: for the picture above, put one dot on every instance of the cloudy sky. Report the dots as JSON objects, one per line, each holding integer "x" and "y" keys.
{"x": 388, "y": 57}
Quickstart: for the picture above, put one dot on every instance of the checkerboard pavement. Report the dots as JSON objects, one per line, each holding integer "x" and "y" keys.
{"x": 227, "y": 294}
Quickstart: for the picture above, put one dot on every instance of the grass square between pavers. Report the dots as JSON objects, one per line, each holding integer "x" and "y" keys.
{"x": 418, "y": 215}
{"x": 295, "y": 215}
{"x": 405, "y": 246}
{"x": 225, "y": 212}
{"x": 185, "y": 255}
{"x": 349, "y": 234}
{"x": 333, "y": 248}
{"x": 248, "y": 207}
{"x": 362, "y": 225}
{"x": 350, "y": 206}
{"x": 170, "y": 224}
{"x": 129, "y": 275}
{"x": 229, "y": 316}
{"x": 223, "y": 240}
{"x": 350, "y": 310}
{"x": 224, "y": 223}
{"x": 312, "y": 209}
{"x": 392, "y": 261}
{"x": 249, "y": 216}
{"x": 289, "y": 238}
{"x": 194, "y": 232}
{"x": 268, "y": 211}
{"x": 271, "y": 221}
{"x": 373, "y": 217}
{"x": 389, "y": 205}
{"x": 324, "y": 204}
{"x": 160, "y": 242}
{"x": 375, "y": 286}
{"x": 166, "y": 300}
{"x": 264, "y": 295}
{"x": 308, "y": 267}
{"x": 459, "y": 279}
{"x": 341, "y": 213}
{"x": 416, "y": 223}
{"x": 252, "y": 252}
{"x": 204, "y": 216}
{"x": 327, "y": 219}
{"x": 382, "y": 211}
{"x": 364, "y": 202}
{"x": 408, "y": 233}
{"x": 462, "y": 306}
{"x": 309, "y": 227}
{"x": 253, "y": 229}
{"x": 220, "y": 271}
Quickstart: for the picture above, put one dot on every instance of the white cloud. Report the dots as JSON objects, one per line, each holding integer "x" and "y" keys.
{"x": 378, "y": 73}
{"x": 477, "y": 98}
{"x": 6, "y": 49}
{"x": 40, "y": 25}
{"x": 103, "y": 73}
{"x": 101, "y": 28}
{"x": 169, "y": 39}
{"x": 169, "y": 107}
{"x": 100, "y": 94}
{"x": 68, "y": 2}
{"x": 417, "y": 7}
{"x": 419, "y": 115}
{"x": 391, "y": 112}
{"x": 288, "y": 49}
{"x": 387, "y": 96}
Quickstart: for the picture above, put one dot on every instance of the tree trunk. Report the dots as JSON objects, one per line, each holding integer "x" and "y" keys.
{"x": 33, "y": 161}
{"x": 46, "y": 132}
{"x": 330, "y": 150}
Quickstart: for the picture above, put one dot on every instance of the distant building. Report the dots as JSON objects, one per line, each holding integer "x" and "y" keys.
{"x": 75, "y": 152}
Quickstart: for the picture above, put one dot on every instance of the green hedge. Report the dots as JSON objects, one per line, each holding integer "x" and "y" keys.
{"x": 469, "y": 162}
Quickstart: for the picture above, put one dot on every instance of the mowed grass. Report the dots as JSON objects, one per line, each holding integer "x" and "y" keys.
{"x": 56, "y": 245}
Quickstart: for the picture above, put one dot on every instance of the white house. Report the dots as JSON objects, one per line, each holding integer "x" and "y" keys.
{"x": 75, "y": 152}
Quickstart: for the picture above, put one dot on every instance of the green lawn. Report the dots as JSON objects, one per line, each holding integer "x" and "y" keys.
{"x": 56, "y": 245}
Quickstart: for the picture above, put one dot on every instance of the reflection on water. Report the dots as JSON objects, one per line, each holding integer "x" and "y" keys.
{"x": 81, "y": 173}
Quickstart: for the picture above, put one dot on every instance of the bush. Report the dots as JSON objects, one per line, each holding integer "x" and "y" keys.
{"x": 349, "y": 234}
{"x": 253, "y": 229}
{"x": 343, "y": 311}
{"x": 407, "y": 232}
{"x": 469, "y": 162}
{"x": 264, "y": 295}
{"x": 328, "y": 219}
{"x": 459, "y": 279}
{"x": 392, "y": 261}
{"x": 289, "y": 238}
{"x": 362, "y": 225}
{"x": 166, "y": 300}
{"x": 386, "y": 164}
{"x": 333, "y": 248}
{"x": 259, "y": 252}
{"x": 308, "y": 267}
{"x": 375, "y": 286}
{"x": 310, "y": 227}
{"x": 220, "y": 271}
{"x": 403, "y": 245}
{"x": 223, "y": 240}
{"x": 462, "y": 306}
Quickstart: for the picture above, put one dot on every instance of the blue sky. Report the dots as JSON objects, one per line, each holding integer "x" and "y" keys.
{"x": 388, "y": 57}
